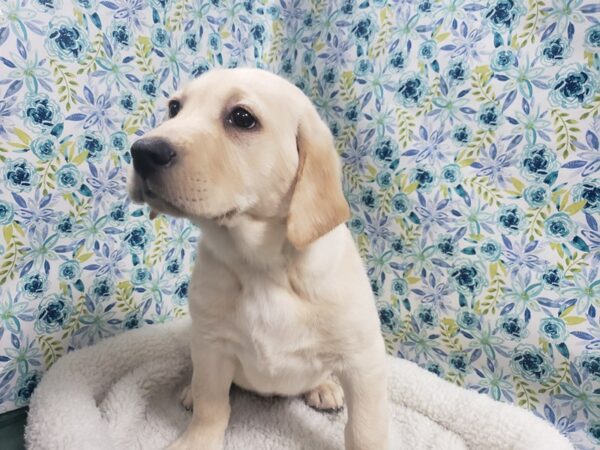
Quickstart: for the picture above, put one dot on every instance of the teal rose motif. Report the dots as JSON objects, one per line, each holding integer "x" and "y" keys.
{"x": 504, "y": 15}
{"x": 53, "y": 313}
{"x": 511, "y": 219}
{"x": 398, "y": 61}
{"x": 25, "y": 386}
{"x": 412, "y": 90}
{"x": 559, "y": 227}
{"x": 489, "y": 116}
{"x": 369, "y": 198}
{"x": 127, "y": 102}
{"x": 331, "y": 75}
{"x": 435, "y": 368}
{"x": 555, "y": 50}
{"x": 531, "y": 364}
{"x": 44, "y": 148}
{"x": 92, "y": 143}
{"x": 362, "y": 67}
{"x": 33, "y": 285}
{"x": 356, "y": 225}
{"x": 137, "y": 237}
{"x": 121, "y": 35}
{"x": 181, "y": 292}
{"x": 512, "y": 327}
{"x": 400, "y": 287}
{"x": 459, "y": 361}
{"x": 593, "y": 431}
{"x": 589, "y": 191}
{"x": 385, "y": 152}
{"x": 428, "y": 50}
{"x": 425, "y": 178}
{"x": 160, "y": 37}
{"x": 451, "y": 174}
{"x": 308, "y": 59}
{"x": 69, "y": 270}
{"x": 118, "y": 141}
{"x": 447, "y": 246}
{"x": 68, "y": 178}
{"x": 573, "y": 87}
{"x": 65, "y": 225}
{"x": 461, "y": 135}
{"x": 502, "y": 60}
{"x": 537, "y": 195}
{"x": 40, "y": 112}
{"x": 7, "y": 213}
{"x": 552, "y": 278}
{"x": 214, "y": 42}
{"x": 468, "y": 278}
{"x": 140, "y": 275}
{"x": 102, "y": 288}
{"x": 66, "y": 40}
{"x": 592, "y": 38}
{"x": 589, "y": 361}
{"x": 190, "y": 39}
{"x": 47, "y": 5}
{"x": 538, "y": 161}
{"x": 389, "y": 318}
{"x": 199, "y": 68}
{"x": 173, "y": 266}
{"x": 400, "y": 203}
{"x": 352, "y": 111}
{"x": 384, "y": 179}
{"x": 458, "y": 72}
{"x": 554, "y": 329}
{"x": 427, "y": 316}
{"x": 398, "y": 246}
{"x": 149, "y": 87}
{"x": 19, "y": 175}
{"x": 490, "y": 250}
{"x": 131, "y": 321}
{"x": 364, "y": 28}
{"x": 467, "y": 319}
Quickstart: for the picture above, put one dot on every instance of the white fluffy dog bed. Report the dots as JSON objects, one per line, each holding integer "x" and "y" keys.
{"x": 124, "y": 394}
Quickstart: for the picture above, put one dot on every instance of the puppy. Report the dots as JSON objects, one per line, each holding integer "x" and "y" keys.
{"x": 279, "y": 298}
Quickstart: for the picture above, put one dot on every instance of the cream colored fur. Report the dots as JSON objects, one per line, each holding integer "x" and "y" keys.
{"x": 279, "y": 298}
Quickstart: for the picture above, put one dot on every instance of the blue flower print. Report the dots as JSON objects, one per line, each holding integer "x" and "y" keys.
{"x": 66, "y": 40}
{"x": 7, "y": 212}
{"x": 92, "y": 143}
{"x": 593, "y": 431}
{"x": 467, "y": 319}
{"x": 425, "y": 178}
{"x": 537, "y": 195}
{"x": 531, "y": 364}
{"x": 180, "y": 294}
{"x": 398, "y": 60}
{"x": 504, "y": 15}
{"x": 502, "y": 60}
{"x": 369, "y": 199}
{"x": 573, "y": 87}
{"x": 33, "y": 285}
{"x": 191, "y": 41}
{"x": 363, "y": 29}
{"x": 149, "y": 87}
{"x": 199, "y": 68}
{"x": 127, "y": 102}
{"x": 537, "y": 161}
{"x": 102, "y": 288}
{"x": 140, "y": 276}
{"x": 592, "y": 38}
{"x": 117, "y": 213}
{"x": 44, "y": 148}
{"x": 554, "y": 329}
{"x": 41, "y": 113}
{"x": 120, "y": 34}
{"x": 384, "y": 179}
{"x": 559, "y": 227}
{"x": 427, "y": 317}
{"x": 400, "y": 203}
{"x": 400, "y": 287}
{"x": 412, "y": 90}
{"x": 362, "y": 67}
{"x": 53, "y": 313}
{"x": 446, "y": 246}
{"x": 47, "y": 5}
{"x": 512, "y": 327}
{"x": 385, "y": 152}
{"x": 468, "y": 278}
{"x": 356, "y": 225}
{"x": 132, "y": 321}
{"x": 490, "y": 250}
{"x": 461, "y": 135}
{"x": 160, "y": 37}
{"x": 424, "y": 6}
{"x": 69, "y": 270}
{"x": 451, "y": 175}
{"x": 65, "y": 225}
{"x": 19, "y": 175}
{"x": 552, "y": 278}
{"x": 118, "y": 141}
{"x": 398, "y": 245}
{"x": 589, "y": 362}
{"x": 458, "y": 72}
{"x": 435, "y": 368}
{"x": 137, "y": 237}
{"x": 590, "y": 192}
{"x": 25, "y": 386}
{"x": 555, "y": 50}
{"x": 428, "y": 50}
{"x": 388, "y": 317}
{"x": 459, "y": 361}
{"x": 68, "y": 178}
{"x": 173, "y": 266}
{"x": 511, "y": 219}
{"x": 489, "y": 116}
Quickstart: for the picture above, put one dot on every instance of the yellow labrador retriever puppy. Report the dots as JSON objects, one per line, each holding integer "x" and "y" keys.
{"x": 279, "y": 299}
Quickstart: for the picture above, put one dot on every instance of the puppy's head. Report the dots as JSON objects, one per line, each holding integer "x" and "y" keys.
{"x": 242, "y": 141}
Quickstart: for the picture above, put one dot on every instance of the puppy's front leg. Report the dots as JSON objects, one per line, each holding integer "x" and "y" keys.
{"x": 211, "y": 381}
{"x": 364, "y": 380}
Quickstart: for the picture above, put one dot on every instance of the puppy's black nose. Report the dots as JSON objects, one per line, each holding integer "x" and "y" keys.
{"x": 149, "y": 154}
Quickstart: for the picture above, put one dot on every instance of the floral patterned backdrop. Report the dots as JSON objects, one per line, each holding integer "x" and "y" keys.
{"x": 469, "y": 134}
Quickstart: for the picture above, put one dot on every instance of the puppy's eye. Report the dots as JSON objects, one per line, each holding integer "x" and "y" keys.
{"x": 241, "y": 118}
{"x": 174, "y": 107}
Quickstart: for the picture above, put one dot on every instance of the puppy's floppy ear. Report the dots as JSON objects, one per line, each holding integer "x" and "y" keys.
{"x": 318, "y": 204}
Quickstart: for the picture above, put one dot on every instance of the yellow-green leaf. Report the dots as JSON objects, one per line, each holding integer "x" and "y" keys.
{"x": 575, "y": 207}
{"x": 574, "y": 320}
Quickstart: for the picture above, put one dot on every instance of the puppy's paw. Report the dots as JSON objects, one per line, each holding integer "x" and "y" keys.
{"x": 186, "y": 397}
{"x": 328, "y": 396}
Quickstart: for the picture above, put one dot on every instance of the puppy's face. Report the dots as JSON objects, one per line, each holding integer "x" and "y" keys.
{"x": 231, "y": 145}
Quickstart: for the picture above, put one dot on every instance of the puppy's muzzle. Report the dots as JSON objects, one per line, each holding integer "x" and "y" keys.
{"x": 151, "y": 154}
